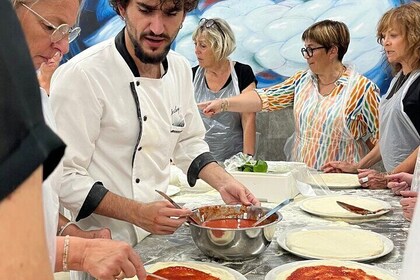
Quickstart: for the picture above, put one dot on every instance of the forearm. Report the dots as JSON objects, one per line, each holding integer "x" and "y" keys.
{"x": 370, "y": 144}
{"x": 118, "y": 207}
{"x": 408, "y": 164}
{"x": 23, "y": 248}
{"x": 215, "y": 175}
{"x": 72, "y": 256}
{"x": 249, "y": 133}
{"x": 247, "y": 101}
{"x": 370, "y": 159}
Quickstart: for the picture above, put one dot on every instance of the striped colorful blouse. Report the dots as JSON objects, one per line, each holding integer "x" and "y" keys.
{"x": 332, "y": 127}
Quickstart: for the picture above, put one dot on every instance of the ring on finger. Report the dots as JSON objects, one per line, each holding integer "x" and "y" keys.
{"x": 364, "y": 180}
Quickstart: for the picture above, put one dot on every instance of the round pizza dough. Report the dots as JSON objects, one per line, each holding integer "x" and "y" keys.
{"x": 342, "y": 244}
{"x": 212, "y": 270}
{"x": 366, "y": 268}
{"x": 340, "y": 180}
{"x": 327, "y": 205}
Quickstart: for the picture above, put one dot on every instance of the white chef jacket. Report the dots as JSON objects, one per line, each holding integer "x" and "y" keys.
{"x": 109, "y": 140}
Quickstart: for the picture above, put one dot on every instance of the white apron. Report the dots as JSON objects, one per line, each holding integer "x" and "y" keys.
{"x": 224, "y": 133}
{"x": 398, "y": 136}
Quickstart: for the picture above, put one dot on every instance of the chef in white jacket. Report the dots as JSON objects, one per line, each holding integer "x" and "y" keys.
{"x": 125, "y": 107}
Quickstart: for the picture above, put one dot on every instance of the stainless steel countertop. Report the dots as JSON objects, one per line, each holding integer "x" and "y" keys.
{"x": 180, "y": 246}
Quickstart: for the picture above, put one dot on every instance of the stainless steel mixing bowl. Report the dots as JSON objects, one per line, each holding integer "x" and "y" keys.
{"x": 233, "y": 244}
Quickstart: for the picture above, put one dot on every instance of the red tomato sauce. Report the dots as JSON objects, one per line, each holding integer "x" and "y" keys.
{"x": 182, "y": 273}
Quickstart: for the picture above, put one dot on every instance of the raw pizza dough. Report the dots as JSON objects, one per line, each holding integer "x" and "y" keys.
{"x": 339, "y": 180}
{"x": 212, "y": 270}
{"x": 341, "y": 244}
{"x": 366, "y": 268}
{"x": 327, "y": 205}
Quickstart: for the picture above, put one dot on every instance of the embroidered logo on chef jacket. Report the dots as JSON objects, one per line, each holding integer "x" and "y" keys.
{"x": 178, "y": 122}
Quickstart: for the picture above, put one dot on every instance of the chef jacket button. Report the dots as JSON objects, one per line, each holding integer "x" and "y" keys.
{"x": 137, "y": 83}
{"x": 139, "y": 148}
{"x": 145, "y": 118}
{"x": 137, "y": 180}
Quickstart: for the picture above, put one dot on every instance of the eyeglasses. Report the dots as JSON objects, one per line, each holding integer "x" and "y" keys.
{"x": 309, "y": 51}
{"x": 61, "y": 31}
{"x": 208, "y": 23}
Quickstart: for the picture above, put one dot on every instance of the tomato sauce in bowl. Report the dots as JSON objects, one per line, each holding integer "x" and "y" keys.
{"x": 229, "y": 223}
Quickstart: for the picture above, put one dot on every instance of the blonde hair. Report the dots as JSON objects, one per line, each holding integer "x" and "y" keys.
{"x": 329, "y": 33}
{"x": 406, "y": 19}
{"x": 220, "y": 37}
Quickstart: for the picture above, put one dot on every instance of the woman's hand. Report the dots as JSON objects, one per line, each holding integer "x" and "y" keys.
{"x": 210, "y": 108}
{"x": 372, "y": 179}
{"x": 339, "y": 167}
{"x": 107, "y": 259}
{"x": 399, "y": 182}
{"x": 408, "y": 203}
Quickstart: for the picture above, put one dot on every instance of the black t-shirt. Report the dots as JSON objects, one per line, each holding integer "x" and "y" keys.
{"x": 243, "y": 72}
{"x": 26, "y": 141}
{"x": 411, "y": 103}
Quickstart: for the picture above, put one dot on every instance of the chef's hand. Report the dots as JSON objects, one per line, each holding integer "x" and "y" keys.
{"x": 372, "y": 179}
{"x": 160, "y": 217}
{"x": 107, "y": 259}
{"x": 399, "y": 182}
{"x": 210, "y": 108}
{"x": 339, "y": 167}
{"x": 408, "y": 203}
{"x": 235, "y": 193}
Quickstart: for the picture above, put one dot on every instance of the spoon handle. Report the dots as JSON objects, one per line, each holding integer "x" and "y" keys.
{"x": 272, "y": 211}
{"x": 189, "y": 218}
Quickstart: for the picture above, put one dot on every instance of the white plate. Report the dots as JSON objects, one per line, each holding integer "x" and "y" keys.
{"x": 172, "y": 190}
{"x": 369, "y": 269}
{"x": 326, "y": 206}
{"x": 388, "y": 244}
{"x": 236, "y": 274}
{"x": 338, "y": 180}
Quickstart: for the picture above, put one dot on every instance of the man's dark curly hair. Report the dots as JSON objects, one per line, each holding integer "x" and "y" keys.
{"x": 189, "y": 5}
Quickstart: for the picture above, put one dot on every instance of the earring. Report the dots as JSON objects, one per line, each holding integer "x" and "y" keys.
{"x": 180, "y": 26}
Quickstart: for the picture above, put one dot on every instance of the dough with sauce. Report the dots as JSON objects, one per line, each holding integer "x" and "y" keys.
{"x": 371, "y": 271}
{"x": 335, "y": 244}
{"x": 328, "y": 206}
{"x": 212, "y": 270}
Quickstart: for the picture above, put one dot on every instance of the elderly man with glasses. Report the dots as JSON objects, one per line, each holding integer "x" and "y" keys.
{"x": 335, "y": 108}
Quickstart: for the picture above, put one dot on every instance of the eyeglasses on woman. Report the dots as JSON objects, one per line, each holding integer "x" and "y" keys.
{"x": 309, "y": 52}
{"x": 59, "y": 32}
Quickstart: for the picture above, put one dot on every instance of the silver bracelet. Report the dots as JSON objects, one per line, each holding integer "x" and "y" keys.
{"x": 62, "y": 228}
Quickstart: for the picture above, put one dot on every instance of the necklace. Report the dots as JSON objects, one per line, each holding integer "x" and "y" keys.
{"x": 338, "y": 77}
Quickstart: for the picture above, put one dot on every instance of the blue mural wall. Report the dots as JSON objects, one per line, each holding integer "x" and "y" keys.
{"x": 268, "y": 32}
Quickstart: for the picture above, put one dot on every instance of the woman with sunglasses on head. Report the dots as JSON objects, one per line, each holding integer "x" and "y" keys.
{"x": 48, "y": 26}
{"x": 335, "y": 108}
{"x": 217, "y": 77}
{"x": 398, "y": 32}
